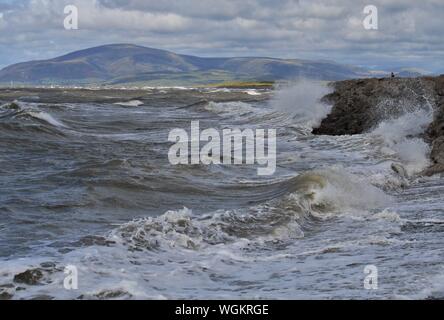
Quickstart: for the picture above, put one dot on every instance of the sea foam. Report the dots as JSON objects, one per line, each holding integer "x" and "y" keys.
{"x": 302, "y": 101}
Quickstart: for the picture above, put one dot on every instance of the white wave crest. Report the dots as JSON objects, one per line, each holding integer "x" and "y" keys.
{"x": 302, "y": 100}
{"x": 400, "y": 137}
{"x": 45, "y": 117}
{"x": 132, "y": 103}
{"x": 230, "y": 108}
{"x": 335, "y": 189}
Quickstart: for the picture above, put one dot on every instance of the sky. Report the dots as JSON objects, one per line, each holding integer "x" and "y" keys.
{"x": 409, "y": 34}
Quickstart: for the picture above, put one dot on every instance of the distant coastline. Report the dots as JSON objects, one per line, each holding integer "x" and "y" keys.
{"x": 125, "y": 64}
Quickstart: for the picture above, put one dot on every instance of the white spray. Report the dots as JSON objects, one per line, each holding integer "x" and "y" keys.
{"x": 401, "y": 137}
{"x": 302, "y": 100}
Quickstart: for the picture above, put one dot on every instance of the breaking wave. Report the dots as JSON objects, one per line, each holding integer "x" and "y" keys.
{"x": 296, "y": 225}
{"x": 230, "y": 108}
{"x": 312, "y": 195}
{"x": 337, "y": 190}
{"x": 132, "y": 103}
{"x": 302, "y": 101}
{"x": 402, "y": 137}
{"x": 17, "y": 110}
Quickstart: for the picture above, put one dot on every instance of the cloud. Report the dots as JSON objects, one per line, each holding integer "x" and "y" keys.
{"x": 409, "y": 31}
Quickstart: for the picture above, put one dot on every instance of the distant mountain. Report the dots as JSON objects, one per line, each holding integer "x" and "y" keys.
{"x": 402, "y": 72}
{"x": 411, "y": 72}
{"x": 126, "y": 63}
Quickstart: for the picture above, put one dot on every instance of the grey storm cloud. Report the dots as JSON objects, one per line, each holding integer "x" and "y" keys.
{"x": 409, "y": 31}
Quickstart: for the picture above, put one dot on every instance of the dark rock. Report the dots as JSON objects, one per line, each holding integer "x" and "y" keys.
{"x": 436, "y": 131}
{"x": 6, "y": 291}
{"x": 30, "y": 277}
{"x": 94, "y": 241}
{"x": 4, "y": 295}
{"x": 359, "y": 105}
{"x": 106, "y": 295}
{"x": 113, "y": 294}
{"x": 42, "y": 297}
{"x": 48, "y": 265}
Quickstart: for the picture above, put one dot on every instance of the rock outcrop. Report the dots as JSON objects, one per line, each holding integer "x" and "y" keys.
{"x": 30, "y": 277}
{"x": 436, "y": 130}
{"x": 359, "y": 105}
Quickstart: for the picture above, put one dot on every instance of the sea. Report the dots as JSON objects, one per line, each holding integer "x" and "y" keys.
{"x": 86, "y": 185}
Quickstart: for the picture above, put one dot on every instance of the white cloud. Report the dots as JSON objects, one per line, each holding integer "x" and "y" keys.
{"x": 2, "y": 21}
{"x": 307, "y": 29}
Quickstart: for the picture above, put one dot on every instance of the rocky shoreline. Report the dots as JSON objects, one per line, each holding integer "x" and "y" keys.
{"x": 359, "y": 105}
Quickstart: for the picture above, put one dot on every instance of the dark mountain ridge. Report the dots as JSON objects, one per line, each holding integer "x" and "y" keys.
{"x": 126, "y": 63}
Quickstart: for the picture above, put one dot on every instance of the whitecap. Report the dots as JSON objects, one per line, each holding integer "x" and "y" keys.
{"x": 132, "y": 103}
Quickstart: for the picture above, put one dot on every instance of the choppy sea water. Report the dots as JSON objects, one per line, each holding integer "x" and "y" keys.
{"x": 89, "y": 184}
